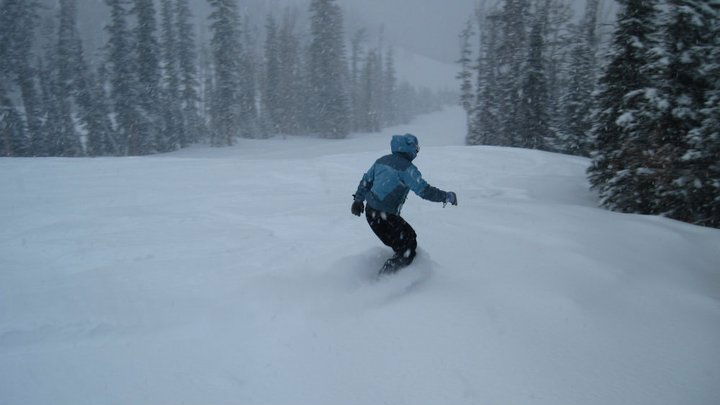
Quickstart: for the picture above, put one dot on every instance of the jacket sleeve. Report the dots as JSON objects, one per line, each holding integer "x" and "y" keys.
{"x": 365, "y": 184}
{"x": 413, "y": 178}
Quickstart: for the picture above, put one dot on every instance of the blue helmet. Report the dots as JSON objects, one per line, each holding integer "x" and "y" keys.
{"x": 406, "y": 144}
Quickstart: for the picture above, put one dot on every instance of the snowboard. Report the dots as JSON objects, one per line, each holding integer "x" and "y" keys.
{"x": 392, "y": 266}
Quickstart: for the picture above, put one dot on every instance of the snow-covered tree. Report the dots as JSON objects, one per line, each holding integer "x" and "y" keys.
{"x": 511, "y": 54}
{"x": 558, "y": 40}
{"x": 18, "y": 19}
{"x": 356, "y": 54}
{"x": 149, "y": 91}
{"x": 193, "y": 122}
{"x": 173, "y": 133}
{"x": 121, "y": 73}
{"x": 271, "y": 96}
{"x": 90, "y": 100}
{"x": 67, "y": 139}
{"x": 389, "y": 82}
{"x": 226, "y": 44}
{"x": 379, "y": 81}
{"x": 206, "y": 74}
{"x": 628, "y": 108}
{"x": 248, "y": 76}
{"x": 656, "y": 143}
{"x": 290, "y": 77}
{"x": 534, "y": 129}
{"x": 486, "y": 124}
{"x": 94, "y": 112}
{"x": 369, "y": 96}
{"x": 406, "y": 109}
{"x": 577, "y": 102}
{"x": 43, "y": 141}
{"x": 704, "y": 143}
{"x": 330, "y": 114}
{"x": 576, "y": 108}
{"x": 13, "y": 138}
{"x": 683, "y": 184}
{"x": 467, "y": 95}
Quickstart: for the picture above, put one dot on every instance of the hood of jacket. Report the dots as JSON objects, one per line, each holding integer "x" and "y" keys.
{"x": 406, "y": 145}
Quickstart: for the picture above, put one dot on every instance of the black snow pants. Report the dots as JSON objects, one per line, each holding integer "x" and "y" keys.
{"x": 394, "y": 232}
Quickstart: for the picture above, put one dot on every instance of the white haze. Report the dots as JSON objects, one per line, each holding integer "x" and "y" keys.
{"x": 425, "y": 27}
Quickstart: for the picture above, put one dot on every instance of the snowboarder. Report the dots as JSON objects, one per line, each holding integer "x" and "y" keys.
{"x": 385, "y": 187}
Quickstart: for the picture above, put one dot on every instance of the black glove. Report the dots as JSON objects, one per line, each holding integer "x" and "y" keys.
{"x": 451, "y": 198}
{"x": 357, "y": 208}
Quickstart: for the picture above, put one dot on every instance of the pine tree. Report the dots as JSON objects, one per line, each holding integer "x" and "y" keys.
{"x": 173, "y": 133}
{"x": 94, "y": 112}
{"x": 577, "y": 103}
{"x": 308, "y": 109}
{"x": 407, "y": 108}
{"x": 682, "y": 179}
{"x": 628, "y": 109}
{"x": 68, "y": 50}
{"x": 57, "y": 135}
{"x": 206, "y": 75}
{"x": 704, "y": 142}
{"x": 13, "y": 138}
{"x": 356, "y": 49}
{"x": 330, "y": 113}
{"x": 467, "y": 97}
{"x": 57, "y": 120}
{"x": 193, "y": 122}
{"x": 110, "y": 144}
{"x": 8, "y": 114}
{"x": 248, "y": 74}
{"x": 290, "y": 76}
{"x": 132, "y": 135}
{"x": 486, "y": 125}
{"x": 534, "y": 126}
{"x": 369, "y": 97}
{"x": 271, "y": 92}
{"x": 18, "y": 19}
{"x": 390, "y": 100}
{"x": 90, "y": 99}
{"x": 147, "y": 54}
{"x": 379, "y": 82}
{"x": 573, "y": 137}
{"x": 511, "y": 56}
{"x": 43, "y": 141}
{"x": 559, "y": 40}
{"x": 5, "y": 41}
{"x": 379, "y": 87}
{"x": 225, "y": 108}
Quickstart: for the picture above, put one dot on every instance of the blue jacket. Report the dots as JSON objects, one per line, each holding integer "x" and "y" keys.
{"x": 386, "y": 185}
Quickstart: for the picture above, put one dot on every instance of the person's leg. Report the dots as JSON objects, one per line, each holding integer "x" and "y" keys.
{"x": 405, "y": 241}
{"x": 396, "y": 233}
{"x": 378, "y": 222}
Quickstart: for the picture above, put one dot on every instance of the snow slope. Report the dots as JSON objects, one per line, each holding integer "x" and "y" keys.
{"x": 421, "y": 71}
{"x": 238, "y": 276}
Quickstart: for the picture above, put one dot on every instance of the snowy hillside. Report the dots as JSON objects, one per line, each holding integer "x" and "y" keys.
{"x": 422, "y": 71}
{"x": 239, "y": 276}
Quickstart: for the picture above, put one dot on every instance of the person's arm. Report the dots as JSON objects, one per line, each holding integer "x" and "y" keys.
{"x": 363, "y": 189}
{"x": 413, "y": 178}
{"x": 365, "y": 185}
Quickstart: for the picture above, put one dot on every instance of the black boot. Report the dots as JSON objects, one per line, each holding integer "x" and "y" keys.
{"x": 395, "y": 263}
